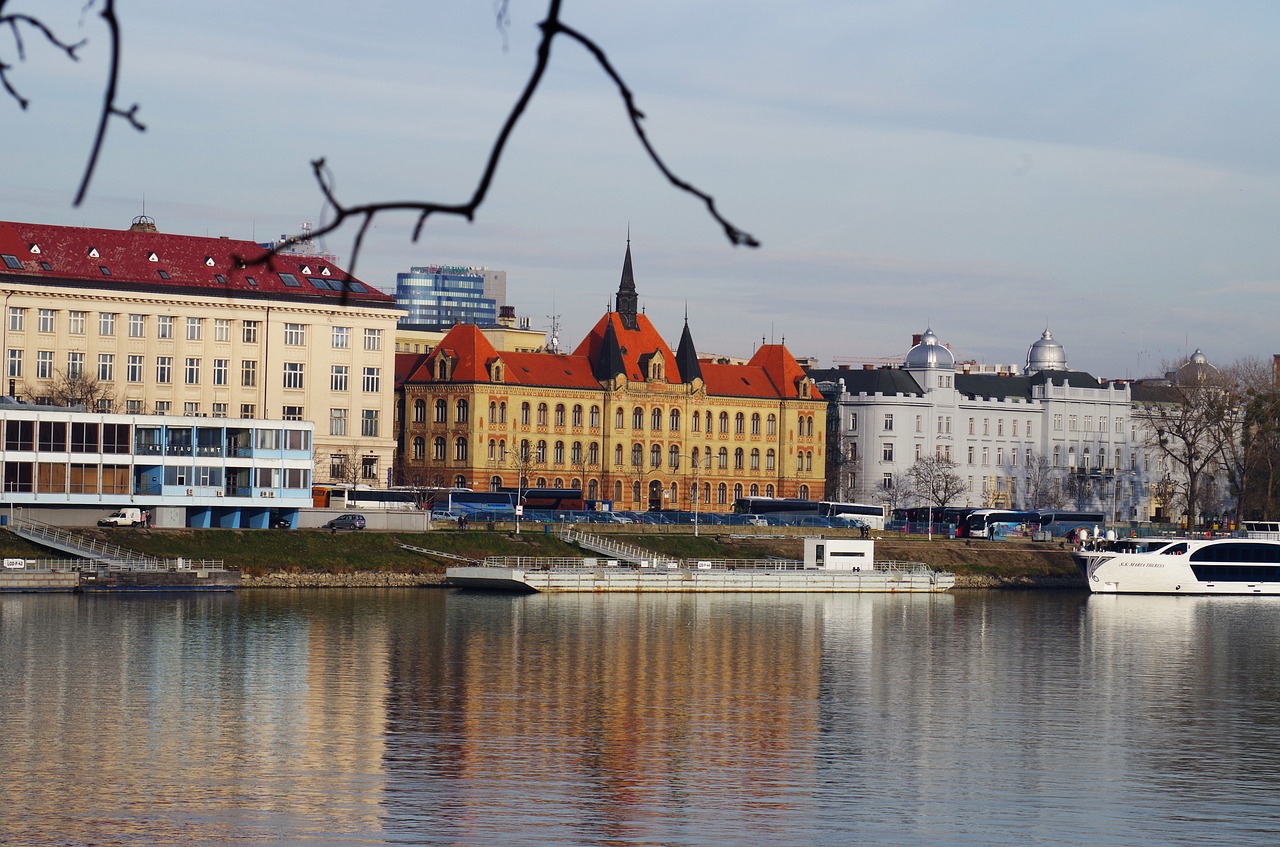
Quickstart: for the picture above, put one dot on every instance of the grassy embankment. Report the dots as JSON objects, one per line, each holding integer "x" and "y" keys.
{"x": 258, "y": 552}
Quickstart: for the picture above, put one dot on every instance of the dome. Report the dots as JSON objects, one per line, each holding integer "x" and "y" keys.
{"x": 1046, "y": 355}
{"x": 1196, "y": 369}
{"x": 930, "y": 353}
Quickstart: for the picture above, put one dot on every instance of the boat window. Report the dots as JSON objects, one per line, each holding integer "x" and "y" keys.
{"x": 1238, "y": 551}
{"x": 1174, "y": 549}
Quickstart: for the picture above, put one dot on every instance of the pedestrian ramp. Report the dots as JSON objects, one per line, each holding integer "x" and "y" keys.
{"x": 608, "y": 547}
{"x": 83, "y": 546}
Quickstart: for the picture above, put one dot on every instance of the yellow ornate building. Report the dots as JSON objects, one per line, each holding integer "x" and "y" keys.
{"x": 623, "y": 417}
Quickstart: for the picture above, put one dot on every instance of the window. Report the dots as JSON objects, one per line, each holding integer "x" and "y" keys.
{"x": 558, "y": 453}
{"x": 221, "y": 329}
{"x": 221, "y": 371}
{"x": 1000, "y": 428}
{"x": 373, "y": 339}
{"x": 674, "y": 422}
{"x": 888, "y": 422}
{"x": 739, "y": 423}
{"x": 637, "y": 455}
{"x": 369, "y": 423}
{"x": 219, "y": 410}
{"x": 293, "y": 374}
{"x": 249, "y": 373}
{"x": 75, "y": 364}
{"x": 986, "y": 456}
{"x": 461, "y": 408}
{"x": 249, "y": 332}
{"x": 986, "y": 426}
{"x": 540, "y": 453}
{"x": 44, "y": 364}
{"x": 133, "y": 369}
{"x": 771, "y": 424}
{"x": 559, "y": 414}
{"x": 15, "y": 363}
{"x": 46, "y": 320}
{"x": 724, "y": 423}
{"x": 341, "y": 337}
{"x": 1057, "y": 423}
{"x": 106, "y": 323}
{"x": 655, "y": 420}
{"x": 577, "y": 417}
{"x": 191, "y": 409}
{"x": 17, "y": 319}
{"x": 593, "y": 454}
{"x": 637, "y": 418}
{"x": 11, "y": 261}
{"x": 106, "y": 367}
{"x": 437, "y": 448}
{"x": 886, "y": 452}
{"x": 195, "y": 329}
{"x": 75, "y": 322}
{"x": 919, "y": 423}
{"x": 338, "y": 381}
{"x": 542, "y": 414}
{"x": 291, "y": 413}
{"x": 338, "y": 423}
{"x": 372, "y": 380}
{"x": 133, "y": 407}
{"x": 192, "y": 371}
{"x": 248, "y": 411}
{"x": 755, "y": 460}
{"x": 137, "y": 326}
{"x": 164, "y": 326}
{"x": 524, "y": 414}
{"x": 295, "y": 335}
{"x": 575, "y": 453}
{"x": 441, "y": 411}
{"x": 162, "y": 407}
{"x": 769, "y": 458}
{"x": 595, "y": 417}
{"x": 655, "y": 456}
{"x": 971, "y": 454}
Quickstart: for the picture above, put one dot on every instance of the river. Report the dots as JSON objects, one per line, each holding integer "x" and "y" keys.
{"x": 403, "y": 716}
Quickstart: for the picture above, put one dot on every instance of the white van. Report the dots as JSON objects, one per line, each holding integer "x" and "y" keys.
{"x": 123, "y": 517}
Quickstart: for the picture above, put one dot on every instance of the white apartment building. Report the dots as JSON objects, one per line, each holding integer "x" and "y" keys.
{"x": 192, "y": 326}
{"x": 994, "y": 426}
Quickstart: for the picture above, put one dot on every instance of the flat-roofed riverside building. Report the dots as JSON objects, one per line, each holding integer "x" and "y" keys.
{"x": 143, "y": 322}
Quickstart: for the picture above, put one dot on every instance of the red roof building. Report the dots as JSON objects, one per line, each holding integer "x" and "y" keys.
{"x": 623, "y": 417}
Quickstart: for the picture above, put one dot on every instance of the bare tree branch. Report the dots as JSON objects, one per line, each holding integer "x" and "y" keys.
{"x": 109, "y": 107}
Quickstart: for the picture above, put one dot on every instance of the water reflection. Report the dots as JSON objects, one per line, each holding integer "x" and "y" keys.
{"x": 402, "y": 716}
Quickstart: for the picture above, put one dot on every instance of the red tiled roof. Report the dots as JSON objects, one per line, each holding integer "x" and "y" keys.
{"x": 641, "y": 341}
{"x": 781, "y": 367}
{"x": 142, "y": 260}
{"x": 550, "y": 369}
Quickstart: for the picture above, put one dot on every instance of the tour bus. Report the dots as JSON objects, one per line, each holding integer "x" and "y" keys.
{"x": 361, "y": 497}
{"x": 1060, "y": 524}
{"x": 774, "y": 506}
{"x": 950, "y": 515}
{"x": 872, "y": 516}
{"x": 1000, "y": 523}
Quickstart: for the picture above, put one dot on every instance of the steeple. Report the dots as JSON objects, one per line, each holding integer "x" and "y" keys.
{"x": 687, "y": 357}
{"x": 608, "y": 363}
{"x": 627, "y": 301}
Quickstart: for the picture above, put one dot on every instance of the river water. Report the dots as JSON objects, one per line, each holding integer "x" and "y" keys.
{"x": 370, "y": 717}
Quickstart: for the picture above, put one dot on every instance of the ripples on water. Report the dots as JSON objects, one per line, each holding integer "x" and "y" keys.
{"x": 407, "y": 717}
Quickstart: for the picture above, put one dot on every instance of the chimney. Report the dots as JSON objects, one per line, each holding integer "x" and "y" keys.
{"x": 846, "y": 367}
{"x": 507, "y": 316}
{"x": 915, "y": 338}
{"x": 868, "y": 367}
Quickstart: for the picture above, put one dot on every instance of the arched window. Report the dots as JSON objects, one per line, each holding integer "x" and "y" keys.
{"x": 542, "y": 414}
{"x": 594, "y": 421}
{"x": 617, "y": 454}
{"x": 617, "y": 491}
{"x": 737, "y": 459}
{"x": 542, "y": 482}
{"x": 655, "y": 456}
{"x": 437, "y": 448}
{"x": 637, "y": 455}
{"x": 673, "y": 456}
{"x": 675, "y": 494}
{"x": 737, "y": 491}
{"x": 706, "y": 492}
{"x": 1085, "y": 459}
{"x": 723, "y": 458}
{"x": 656, "y": 419}
{"x": 593, "y": 454}
{"x": 593, "y": 489}
{"x": 557, "y": 483}
{"x": 442, "y": 411}
{"x": 502, "y": 412}
{"x": 755, "y": 424}
{"x": 724, "y": 423}
{"x": 722, "y": 494}
{"x": 559, "y": 414}
{"x": 575, "y": 453}
{"x": 1057, "y": 456}
{"x": 419, "y": 411}
{"x": 637, "y": 418}
{"x": 540, "y": 454}
{"x": 419, "y": 448}
{"x": 459, "y": 481}
{"x": 559, "y": 453}
{"x": 526, "y": 454}
{"x": 493, "y": 412}
{"x": 755, "y": 459}
{"x": 577, "y": 416}
{"x": 675, "y": 420}
{"x": 768, "y": 491}
{"x": 804, "y": 492}
{"x": 769, "y": 459}
{"x": 697, "y": 457}
{"x": 495, "y": 483}
{"x": 808, "y": 460}
{"x": 635, "y": 492}
{"x": 576, "y": 484}
{"x": 524, "y": 414}
{"x": 460, "y": 449}
{"x": 697, "y": 422}
{"x": 739, "y": 423}
{"x": 502, "y": 449}
{"x": 493, "y": 449}
{"x": 799, "y": 462}
{"x": 771, "y": 425}
{"x": 755, "y": 490}
{"x": 617, "y": 418}
{"x": 462, "y": 410}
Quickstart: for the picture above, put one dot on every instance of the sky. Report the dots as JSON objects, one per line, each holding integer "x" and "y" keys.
{"x": 988, "y": 169}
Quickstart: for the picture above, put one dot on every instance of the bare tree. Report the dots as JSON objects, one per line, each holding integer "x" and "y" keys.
{"x": 364, "y": 214}
{"x": 897, "y": 491}
{"x": 843, "y": 468}
{"x": 75, "y": 388}
{"x": 936, "y": 481}
{"x": 1042, "y": 488}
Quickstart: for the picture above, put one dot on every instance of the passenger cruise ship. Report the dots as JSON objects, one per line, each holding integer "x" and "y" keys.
{"x": 1248, "y": 565}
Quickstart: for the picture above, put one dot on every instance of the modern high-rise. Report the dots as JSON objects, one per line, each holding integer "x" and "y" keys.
{"x": 443, "y": 295}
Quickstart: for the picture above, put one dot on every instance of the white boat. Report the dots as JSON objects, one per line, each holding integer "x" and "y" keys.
{"x": 831, "y": 565}
{"x": 1248, "y": 565}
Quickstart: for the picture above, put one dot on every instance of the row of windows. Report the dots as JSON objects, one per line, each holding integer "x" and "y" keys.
{"x": 295, "y": 334}
{"x": 697, "y": 494}
{"x": 192, "y": 370}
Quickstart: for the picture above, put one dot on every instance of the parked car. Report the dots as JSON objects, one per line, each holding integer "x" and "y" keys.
{"x": 443, "y": 516}
{"x": 345, "y": 522}
{"x": 757, "y": 520}
{"x": 123, "y": 517}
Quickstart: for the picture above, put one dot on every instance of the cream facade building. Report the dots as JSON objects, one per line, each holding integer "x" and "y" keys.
{"x": 138, "y": 321}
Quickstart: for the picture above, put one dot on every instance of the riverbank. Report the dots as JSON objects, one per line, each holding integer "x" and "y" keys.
{"x": 314, "y": 559}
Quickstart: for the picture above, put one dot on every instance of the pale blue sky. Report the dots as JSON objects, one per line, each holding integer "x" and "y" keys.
{"x": 1108, "y": 169}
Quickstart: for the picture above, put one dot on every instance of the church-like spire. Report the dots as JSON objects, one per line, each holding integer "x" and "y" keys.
{"x": 608, "y": 363}
{"x": 627, "y": 302}
{"x": 687, "y": 356}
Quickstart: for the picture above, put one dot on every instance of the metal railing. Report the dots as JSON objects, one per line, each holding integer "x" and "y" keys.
{"x": 609, "y": 547}
{"x": 112, "y": 556}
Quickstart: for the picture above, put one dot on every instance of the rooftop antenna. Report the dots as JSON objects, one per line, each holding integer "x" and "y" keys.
{"x": 553, "y": 345}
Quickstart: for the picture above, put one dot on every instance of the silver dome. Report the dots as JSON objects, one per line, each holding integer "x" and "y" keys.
{"x": 929, "y": 353}
{"x": 1046, "y": 355}
{"x": 1196, "y": 369}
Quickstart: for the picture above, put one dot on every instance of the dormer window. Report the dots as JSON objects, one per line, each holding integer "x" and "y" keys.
{"x": 93, "y": 253}
{"x": 35, "y": 249}
{"x": 152, "y": 257}
{"x": 163, "y": 274}
{"x": 106, "y": 271}
{"x": 306, "y": 269}
{"x": 324, "y": 272}
{"x": 208, "y": 260}
{"x": 12, "y": 262}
